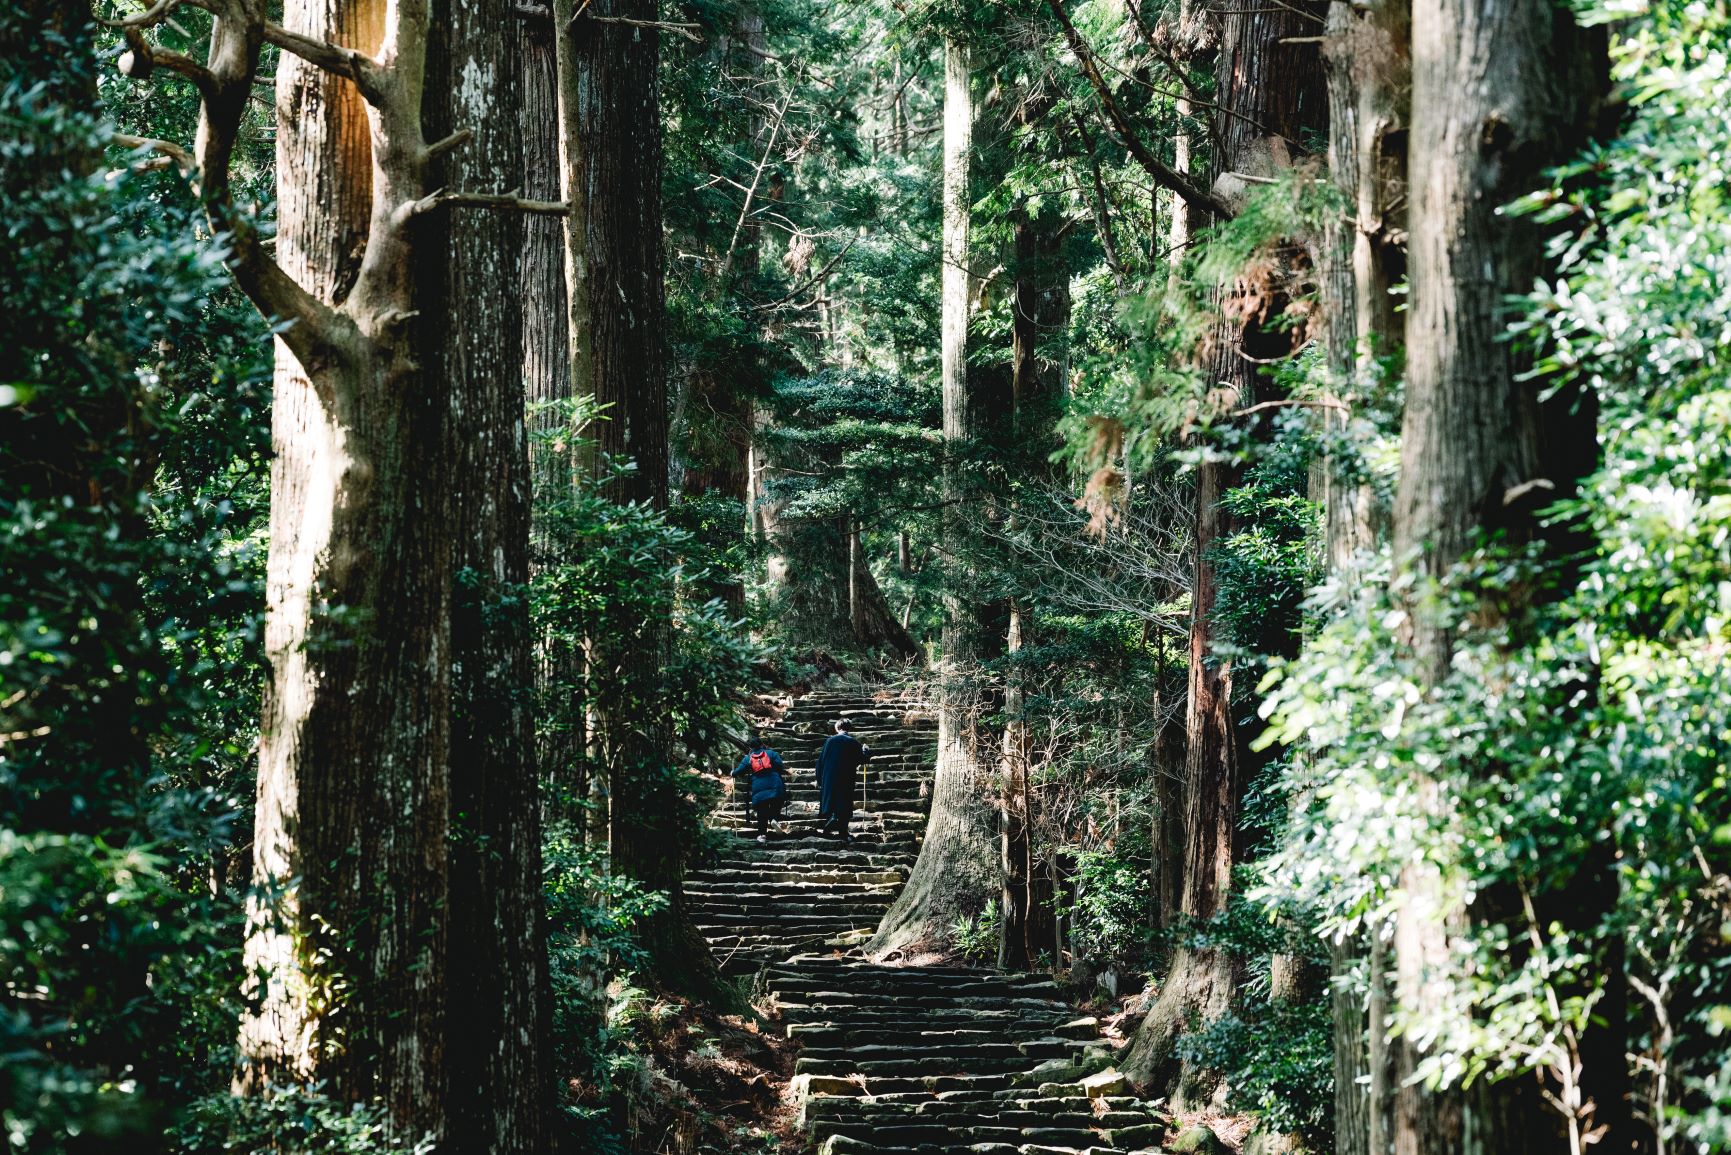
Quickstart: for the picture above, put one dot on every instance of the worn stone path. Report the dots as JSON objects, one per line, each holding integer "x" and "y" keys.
{"x": 916, "y": 1059}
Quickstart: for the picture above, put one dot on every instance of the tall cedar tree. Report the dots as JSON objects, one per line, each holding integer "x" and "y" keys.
{"x": 616, "y": 135}
{"x": 956, "y": 874}
{"x": 349, "y": 943}
{"x": 500, "y": 1089}
{"x": 1270, "y": 98}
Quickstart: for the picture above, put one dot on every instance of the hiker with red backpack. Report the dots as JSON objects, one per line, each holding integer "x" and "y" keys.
{"x": 765, "y": 789}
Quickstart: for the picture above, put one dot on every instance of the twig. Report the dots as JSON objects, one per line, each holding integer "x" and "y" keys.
{"x": 689, "y": 31}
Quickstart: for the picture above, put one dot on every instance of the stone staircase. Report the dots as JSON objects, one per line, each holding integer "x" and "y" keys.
{"x": 933, "y": 1060}
{"x": 914, "y": 1060}
{"x": 763, "y": 903}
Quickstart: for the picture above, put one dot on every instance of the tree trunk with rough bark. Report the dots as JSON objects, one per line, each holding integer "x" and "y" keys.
{"x": 1040, "y": 312}
{"x": 1361, "y": 258}
{"x": 547, "y": 372}
{"x": 1500, "y": 91}
{"x": 957, "y": 871}
{"x": 1269, "y": 94}
{"x": 499, "y": 1084}
{"x": 616, "y": 133}
{"x": 352, "y": 815}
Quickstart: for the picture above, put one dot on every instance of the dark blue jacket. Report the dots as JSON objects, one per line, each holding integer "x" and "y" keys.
{"x": 766, "y": 786}
{"x": 842, "y": 756}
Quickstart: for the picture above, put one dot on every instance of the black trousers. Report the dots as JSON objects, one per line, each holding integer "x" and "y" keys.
{"x": 766, "y": 810}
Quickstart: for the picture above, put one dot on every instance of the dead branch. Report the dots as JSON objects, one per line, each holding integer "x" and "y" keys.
{"x": 809, "y": 281}
{"x": 1324, "y": 403}
{"x": 689, "y": 31}
{"x": 512, "y": 201}
{"x": 756, "y": 178}
{"x": 440, "y": 147}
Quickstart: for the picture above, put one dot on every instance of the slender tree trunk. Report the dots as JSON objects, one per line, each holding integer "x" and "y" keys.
{"x": 1500, "y": 91}
{"x": 547, "y": 367}
{"x": 1168, "y": 754}
{"x": 1366, "y": 57}
{"x": 1039, "y": 315}
{"x": 500, "y": 1088}
{"x": 956, "y": 874}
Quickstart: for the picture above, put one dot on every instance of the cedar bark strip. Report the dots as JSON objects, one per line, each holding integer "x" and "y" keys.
{"x": 1362, "y": 256}
{"x": 1501, "y": 90}
{"x": 956, "y": 873}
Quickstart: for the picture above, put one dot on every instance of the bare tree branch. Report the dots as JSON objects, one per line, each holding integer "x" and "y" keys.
{"x": 756, "y": 177}
{"x": 143, "y": 57}
{"x": 810, "y": 281}
{"x": 512, "y": 201}
{"x": 182, "y": 158}
{"x": 689, "y": 31}
{"x": 1163, "y": 173}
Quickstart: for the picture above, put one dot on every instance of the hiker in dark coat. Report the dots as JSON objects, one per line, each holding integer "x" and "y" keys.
{"x": 837, "y": 766}
{"x": 762, "y": 785}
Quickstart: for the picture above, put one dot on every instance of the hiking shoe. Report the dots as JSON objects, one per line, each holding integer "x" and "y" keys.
{"x": 763, "y": 838}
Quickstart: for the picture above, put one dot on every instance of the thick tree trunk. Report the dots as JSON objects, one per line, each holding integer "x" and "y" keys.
{"x": 1500, "y": 91}
{"x": 500, "y": 1087}
{"x": 353, "y": 807}
{"x": 1270, "y": 94}
{"x": 617, "y": 135}
{"x": 956, "y": 874}
{"x": 618, "y": 125}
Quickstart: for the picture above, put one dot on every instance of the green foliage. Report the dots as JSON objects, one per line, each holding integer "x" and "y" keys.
{"x": 976, "y": 936}
{"x": 1110, "y": 915}
{"x": 298, "y": 1120}
{"x": 1593, "y": 730}
{"x": 1267, "y": 563}
{"x": 133, "y": 442}
{"x": 1278, "y": 1060}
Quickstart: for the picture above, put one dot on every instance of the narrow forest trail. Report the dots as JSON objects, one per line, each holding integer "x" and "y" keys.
{"x": 914, "y": 1059}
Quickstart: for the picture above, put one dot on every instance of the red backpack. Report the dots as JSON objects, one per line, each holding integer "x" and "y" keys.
{"x": 760, "y": 763}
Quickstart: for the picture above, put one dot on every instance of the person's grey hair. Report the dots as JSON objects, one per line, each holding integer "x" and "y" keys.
{"x": 843, "y": 726}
